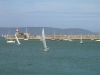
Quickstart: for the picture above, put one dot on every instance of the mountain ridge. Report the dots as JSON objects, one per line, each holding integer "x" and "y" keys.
{"x": 48, "y": 31}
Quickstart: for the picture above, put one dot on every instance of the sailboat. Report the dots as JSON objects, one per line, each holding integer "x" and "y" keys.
{"x": 25, "y": 38}
{"x": 53, "y": 39}
{"x": 44, "y": 41}
{"x": 98, "y": 39}
{"x": 10, "y": 40}
{"x": 66, "y": 36}
{"x": 81, "y": 41}
{"x": 17, "y": 39}
{"x": 92, "y": 37}
{"x": 2, "y": 35}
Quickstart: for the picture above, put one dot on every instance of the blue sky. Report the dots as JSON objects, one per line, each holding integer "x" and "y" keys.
{"x": 51, "y": 13}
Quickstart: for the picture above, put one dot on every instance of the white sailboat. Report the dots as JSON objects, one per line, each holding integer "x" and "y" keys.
{"x": 44, "y": 41}
{"x": 10, "y": 40}
{"x": 92, "y": 37}
{"x": 25, "y": 35}
{"x": 98, "y": 39}
{"x": 25, "y": 39}
{"x": 54, "y": 38}
{"x": 2, "y": 35}
{"x": 65, "y": 39}
{"x": 81, "y": 41}
{"x": 17, "y": 39}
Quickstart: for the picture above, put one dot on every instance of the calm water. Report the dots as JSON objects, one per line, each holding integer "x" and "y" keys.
{"x": 63, "y": 58}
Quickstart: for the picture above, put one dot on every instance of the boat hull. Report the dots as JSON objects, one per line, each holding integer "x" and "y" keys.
{"x": 10, "y": 41}
{"x": 25, "y": 39}
{"x": 53, "y": 39}
{"x": 97, "y": 40}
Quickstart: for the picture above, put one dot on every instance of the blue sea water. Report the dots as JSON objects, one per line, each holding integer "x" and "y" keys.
{"x": 63, "y": 58}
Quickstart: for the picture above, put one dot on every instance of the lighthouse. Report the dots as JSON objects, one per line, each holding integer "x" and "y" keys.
{"x": 17, "y": 31}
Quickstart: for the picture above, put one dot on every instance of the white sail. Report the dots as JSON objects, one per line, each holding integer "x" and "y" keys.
{"x": 44, "y": 41}
{"x": 2, "y": 35}
{"x": 81, "y": 41}
{"x": 17, "y": 39}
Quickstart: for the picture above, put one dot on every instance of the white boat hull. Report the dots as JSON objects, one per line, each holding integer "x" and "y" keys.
{"x": 10, "y": 41}
{"x": 52, "y": 39}
{"x": 70, "y": 40}
{"x": 97, "y": 40}
{"x": 81, "y": 42}
{"x": 65, "y": 39}
{"x": 25, "y": 39}
{"x": 46, "y": 49}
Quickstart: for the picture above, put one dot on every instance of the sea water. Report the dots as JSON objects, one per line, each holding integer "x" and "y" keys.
{"x": 63, "y": 58}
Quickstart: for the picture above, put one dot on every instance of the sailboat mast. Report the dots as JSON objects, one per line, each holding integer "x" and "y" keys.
{"x": 26, "y": 29}
{"x": 66, "y": 32}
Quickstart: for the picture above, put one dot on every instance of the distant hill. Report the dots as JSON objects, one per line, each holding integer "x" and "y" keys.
{"x": 48, "y": 31}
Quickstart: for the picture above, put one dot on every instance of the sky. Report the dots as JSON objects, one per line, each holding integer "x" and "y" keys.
{"x": 51, "y": 13}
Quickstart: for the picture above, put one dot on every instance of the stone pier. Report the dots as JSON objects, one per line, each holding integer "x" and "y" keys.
{"x": 87, "y": 37}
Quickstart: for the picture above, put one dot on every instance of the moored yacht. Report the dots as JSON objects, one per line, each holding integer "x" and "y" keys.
{"x": 10, "y": 41}
{"x": 97, "y": 40}
{"x": 52, "y": 39}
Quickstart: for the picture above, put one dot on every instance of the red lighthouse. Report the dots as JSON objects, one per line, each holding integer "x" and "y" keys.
{"x": 17, "y": 31}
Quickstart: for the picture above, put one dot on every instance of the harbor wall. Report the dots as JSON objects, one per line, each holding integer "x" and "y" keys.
{"x": 58, "y": 37}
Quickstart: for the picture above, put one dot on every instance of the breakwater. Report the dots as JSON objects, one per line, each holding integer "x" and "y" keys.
{"x": 57, "y": 37}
